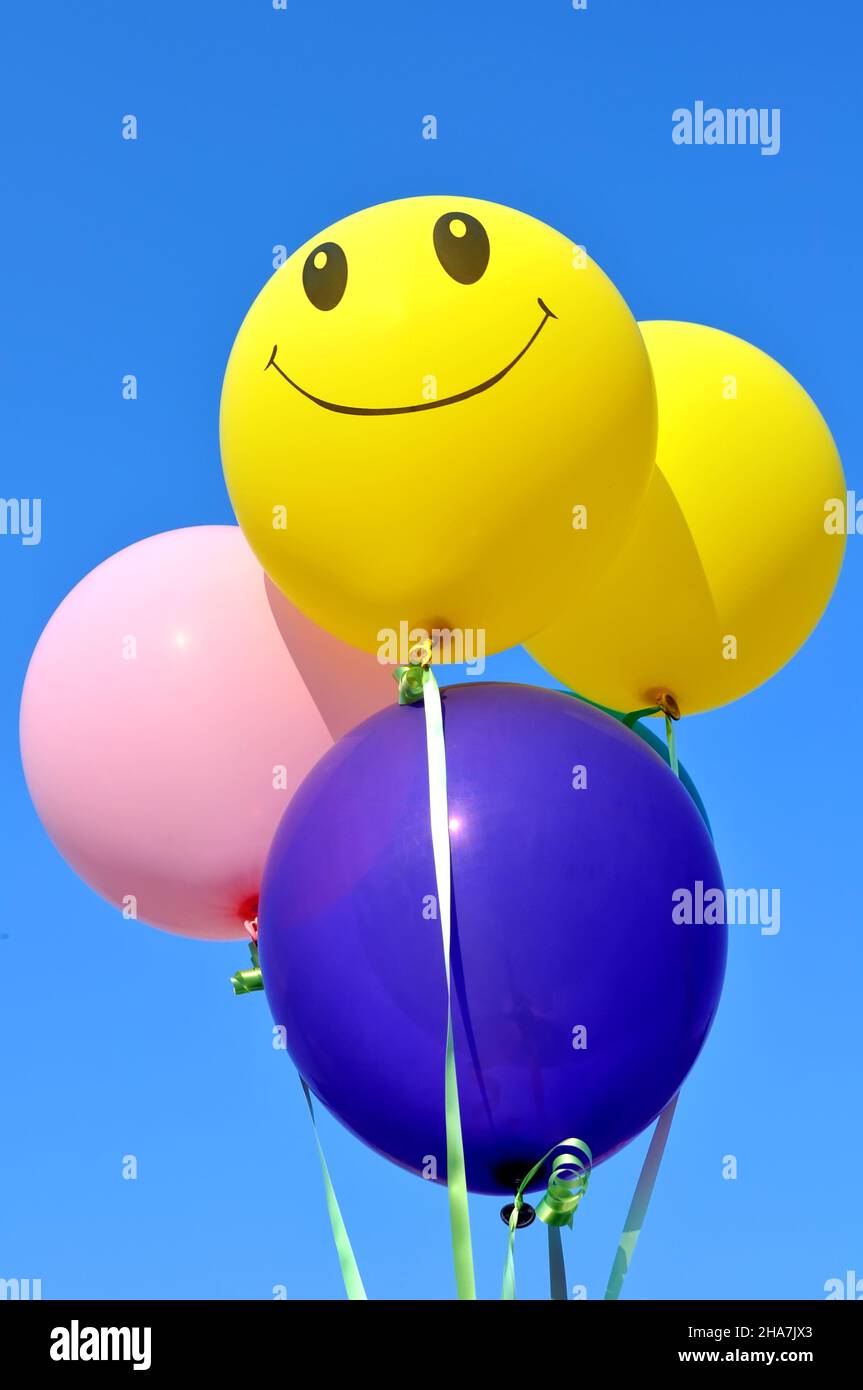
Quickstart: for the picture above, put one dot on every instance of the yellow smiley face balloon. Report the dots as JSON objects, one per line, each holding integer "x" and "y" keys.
{"x": 437, "y": 413}
{"x": 732, "y": 560}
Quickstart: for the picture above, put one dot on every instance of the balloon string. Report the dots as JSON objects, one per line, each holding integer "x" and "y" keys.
{"x": 244, "y": 982}
{"x": 640, "y": 1202}
{"x": 650, "y": 1169}
{"x": 556, "y": 1266}
{"x": 347, "y": 1262}
{"x": 418, "y": 682}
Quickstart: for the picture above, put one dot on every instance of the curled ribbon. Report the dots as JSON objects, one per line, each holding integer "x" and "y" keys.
{"x": 413, "y": 678}
{"x": 566, "y": 1187}
{"x": 247, "y": 981}
{"x": 567, "y": 1184}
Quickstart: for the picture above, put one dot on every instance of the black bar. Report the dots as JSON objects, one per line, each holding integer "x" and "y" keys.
{"x": 251, "y": 1339}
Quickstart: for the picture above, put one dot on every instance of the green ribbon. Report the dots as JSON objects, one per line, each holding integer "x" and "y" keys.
{"x": 411, "y": 683}
{"x": 570, "y": 1174}
{"x": 634, "y": 714}
{"x": 640, "y": 1202}
{"x": 417, "y": 682}
{"x": 350, "y": 1270}
{"x": 672, "y": 745}
{"x": 247, "y": 981}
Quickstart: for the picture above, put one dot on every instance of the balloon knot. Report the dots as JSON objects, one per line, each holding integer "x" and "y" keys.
{"x": 665, "y": 701}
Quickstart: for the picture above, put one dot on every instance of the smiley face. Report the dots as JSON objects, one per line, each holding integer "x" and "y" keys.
{"x": 439, "y": 368}
{"x": 462, "y": 247}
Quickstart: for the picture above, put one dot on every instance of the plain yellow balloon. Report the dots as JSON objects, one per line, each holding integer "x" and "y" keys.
{"x": 731, "y": 562}
{"x": 422, "y": 409}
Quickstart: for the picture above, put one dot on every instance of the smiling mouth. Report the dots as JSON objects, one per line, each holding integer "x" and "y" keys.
{"x": 424, "y": 405}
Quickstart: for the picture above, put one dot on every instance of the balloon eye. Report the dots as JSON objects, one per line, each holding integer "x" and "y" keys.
{"x": 325, "y": 275}
{"x": 461, "y": 244}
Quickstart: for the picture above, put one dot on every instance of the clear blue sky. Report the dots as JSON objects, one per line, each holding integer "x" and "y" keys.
{"x": 258, "y": 127}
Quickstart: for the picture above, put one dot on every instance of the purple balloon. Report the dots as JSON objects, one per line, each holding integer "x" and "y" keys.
{"x": 562, "y": 922}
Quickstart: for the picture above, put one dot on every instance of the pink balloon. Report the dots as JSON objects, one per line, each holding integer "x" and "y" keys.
{"x": 172, "y": 706}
